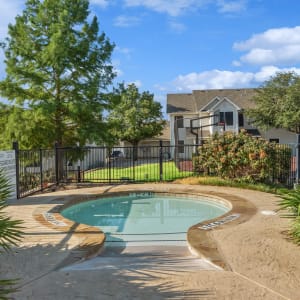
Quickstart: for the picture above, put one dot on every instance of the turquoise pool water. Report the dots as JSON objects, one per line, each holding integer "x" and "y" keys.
{"x": 145, "y": 216}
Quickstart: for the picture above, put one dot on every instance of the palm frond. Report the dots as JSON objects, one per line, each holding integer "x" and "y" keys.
{"x": 290, "y": 203}
{"x": 10, "y": 235}
{"x": 7, "y": 287}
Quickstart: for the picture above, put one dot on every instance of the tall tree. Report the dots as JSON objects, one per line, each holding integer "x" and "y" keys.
{"x": 22, "y": 125}
{"x": 136, "y": 117}
{"x": 278, "y": 103}
{"x": 5, "y": 111}
{"x": 57, "y": 68}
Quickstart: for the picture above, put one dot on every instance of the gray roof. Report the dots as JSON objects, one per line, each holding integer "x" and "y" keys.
{"x": 180, "y": 103}
{"x": 199, "y": 98}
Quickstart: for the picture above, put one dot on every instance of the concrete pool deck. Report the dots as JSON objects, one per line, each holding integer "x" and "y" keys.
{"x": 259, "y": 259}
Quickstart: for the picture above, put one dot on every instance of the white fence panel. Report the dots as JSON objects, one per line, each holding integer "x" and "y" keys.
{"x": 8, "y": 165}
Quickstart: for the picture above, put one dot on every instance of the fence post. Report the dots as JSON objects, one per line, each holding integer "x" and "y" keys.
{"x": 297, "y": 182}
{"x": 78, "y": 174}
{"x": 160, "y": 160}
{"x": 109, "y": 166}
{"x": 16, "y": 148}
{"x": 56, "y": 163}
{"x": 41, "y": 169}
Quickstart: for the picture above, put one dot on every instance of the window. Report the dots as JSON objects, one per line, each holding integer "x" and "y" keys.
{"x": 274, "y": 141}
{"x": 226, "y": 117}
{"x": 181, "y": 146}
{"x": 229, "y": 118}
{"x": 222, "y": 117}
{"x": 179, "y": 121}
{"x": 241, "y": 120}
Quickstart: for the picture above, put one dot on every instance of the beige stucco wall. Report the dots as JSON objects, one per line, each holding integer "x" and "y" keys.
{"x": 284, "y": 136}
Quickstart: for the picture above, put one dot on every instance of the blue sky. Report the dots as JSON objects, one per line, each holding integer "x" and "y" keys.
{"x": 174, "y": 46}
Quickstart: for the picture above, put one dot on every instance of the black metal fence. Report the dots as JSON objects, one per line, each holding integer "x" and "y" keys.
{"x": 41, "y": 169}
{"x": 277, "y": 166}
{"x": 283, "y": 171}
{"x": 123, "y": 164}
{"x": 35, "y": 170}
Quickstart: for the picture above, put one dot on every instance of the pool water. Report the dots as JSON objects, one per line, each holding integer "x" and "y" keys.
{"x": 145, "y": 216}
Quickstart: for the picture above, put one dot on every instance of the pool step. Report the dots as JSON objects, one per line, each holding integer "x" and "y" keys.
{"x": 158, "y": 258}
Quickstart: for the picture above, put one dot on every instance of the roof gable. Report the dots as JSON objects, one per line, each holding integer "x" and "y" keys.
{"x": 200, "y": 99}
{"x": 225, "y": 99}
{"x": 211, "y": 104}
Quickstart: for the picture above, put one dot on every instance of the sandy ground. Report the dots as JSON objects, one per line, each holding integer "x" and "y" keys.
{"x": 264, "y": 262}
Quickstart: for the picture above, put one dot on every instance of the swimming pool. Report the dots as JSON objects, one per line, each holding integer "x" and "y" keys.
{"x": 148, "y": 217}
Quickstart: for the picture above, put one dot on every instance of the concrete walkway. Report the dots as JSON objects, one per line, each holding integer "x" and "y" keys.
{"x": 264, "y": 262}
{"x": 142, "y": 258}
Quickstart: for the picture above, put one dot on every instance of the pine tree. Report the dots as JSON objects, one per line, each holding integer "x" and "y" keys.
{"x": 57, "y": 69}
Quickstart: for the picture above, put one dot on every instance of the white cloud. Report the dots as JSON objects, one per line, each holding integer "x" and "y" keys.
{"x": 288, "y": 54}
{"x": 177, "y": 27}
{"x": 271, "y": 38}
{"x": 116, "y": 67}
{"x": 236, "y": 63}
{"x": 221, "y": 79}
{"x": 126, "y": 21}
{"x": 161, "y": 98}
{"x": 214, "y": 79}
{"x": 101, "y": 3}
{"x": 274, "y": 46}
{"x": 125, "y": 51}
{"x": 177, "y": 7}
{"x": 266, "y": 72}
{"x": 231, "y": 6}
{"x": 173, "y": 8}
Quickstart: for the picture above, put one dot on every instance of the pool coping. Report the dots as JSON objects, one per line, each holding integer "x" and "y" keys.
{"x": 199, "y": 236}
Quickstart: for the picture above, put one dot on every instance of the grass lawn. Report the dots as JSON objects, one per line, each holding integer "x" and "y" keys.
{"x": 143, "y": 172}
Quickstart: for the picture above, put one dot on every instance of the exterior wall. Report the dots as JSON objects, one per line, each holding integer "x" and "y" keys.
{"x": 147, "y": 149}
{"x": 213, "y": 107}
{"x": 284, "y": 136}
{"x": 225, "y": 106}
{"x": 182, "y": 132}
{"x": 246, "y": 124}
{"x": 144, "y": 150}
{"x": 205, "y": 123}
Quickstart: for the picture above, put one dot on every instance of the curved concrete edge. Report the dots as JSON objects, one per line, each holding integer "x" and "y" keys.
{"x": 91, "y": 238}
{"x": 199, "y": 237}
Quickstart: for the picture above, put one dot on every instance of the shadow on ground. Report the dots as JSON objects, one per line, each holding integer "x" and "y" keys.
{"x": 40, "y": 276}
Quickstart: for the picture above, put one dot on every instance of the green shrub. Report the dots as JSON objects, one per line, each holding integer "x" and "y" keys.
{"x": 241, "y": 157}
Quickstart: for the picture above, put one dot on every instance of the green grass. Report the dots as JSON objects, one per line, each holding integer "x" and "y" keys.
{"x": 144, "y": 172}
{"x": 217, "y": 181}
{"x": 150, "y": 173}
